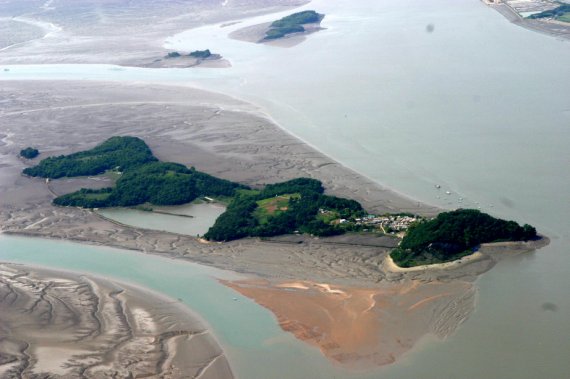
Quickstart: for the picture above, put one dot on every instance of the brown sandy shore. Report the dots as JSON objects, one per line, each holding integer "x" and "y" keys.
{"x": 233, "y": 140}
{"x": 372, "y": 326}
{"x": 62, "y": 325}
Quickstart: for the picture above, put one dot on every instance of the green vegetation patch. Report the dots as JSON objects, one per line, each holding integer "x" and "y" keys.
{"x": 263, "y": 213}
{"x": 143, "y": 178}
{"x": 292, "y": 24}
{"x": 299, "y": 18}
{"x": 452, "y": 235}
{"x": 561, "y": 13}
{"x": 200, "y": 53}
{"x": 29, "y": 153}
{"x": 271, "y": 207}
{"x": 158, "y": 183}
{"x": 121, "y": 153}
{"x": 328, "y": 216}
{"x": 203, "y": 54}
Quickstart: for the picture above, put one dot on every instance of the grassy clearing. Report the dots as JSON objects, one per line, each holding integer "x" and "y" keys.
{"x": 565, "y": 17}
{"x": 273, "y": 206}
{"x": 328, "y": 217}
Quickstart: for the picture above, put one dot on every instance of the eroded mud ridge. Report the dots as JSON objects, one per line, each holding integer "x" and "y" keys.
{"x": 63, "y": 325}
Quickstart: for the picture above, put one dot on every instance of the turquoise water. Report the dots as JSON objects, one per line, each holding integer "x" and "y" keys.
{"x": 478, "y": 106}
{"x": 256, "y": 347}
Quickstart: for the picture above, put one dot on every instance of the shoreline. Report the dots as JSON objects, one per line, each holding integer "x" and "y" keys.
{"x": 552, "y": 29}
{"x": 87, "y": 315}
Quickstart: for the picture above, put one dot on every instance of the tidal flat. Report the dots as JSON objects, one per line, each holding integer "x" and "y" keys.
{"x": 254, "y": 151}
{"x": 62, "y": 324}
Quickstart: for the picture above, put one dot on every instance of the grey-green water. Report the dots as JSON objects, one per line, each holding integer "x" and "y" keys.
{"x": 478, "y": 106}
{"x": 203, "y": 216}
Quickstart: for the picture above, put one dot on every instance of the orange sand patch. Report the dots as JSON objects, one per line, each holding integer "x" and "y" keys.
{"x": 361, "y": 327}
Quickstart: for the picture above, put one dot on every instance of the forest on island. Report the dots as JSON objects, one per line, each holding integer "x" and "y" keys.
{"x": 292, "y": 24}
{"x": 294, "y": 206}
{"x": 454, "y": 234}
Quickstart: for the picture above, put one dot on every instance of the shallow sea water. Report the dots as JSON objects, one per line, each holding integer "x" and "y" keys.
{"x": 202, "y": 217}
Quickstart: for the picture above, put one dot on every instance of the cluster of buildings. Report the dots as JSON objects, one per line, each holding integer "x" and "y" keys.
{"x": 388, "y": 223}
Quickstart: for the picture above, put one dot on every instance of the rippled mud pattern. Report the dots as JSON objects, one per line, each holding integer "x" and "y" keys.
{"x": 64, "y": 325}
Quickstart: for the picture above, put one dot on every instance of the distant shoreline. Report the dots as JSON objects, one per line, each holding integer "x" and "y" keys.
{"x": 554, "y": 29}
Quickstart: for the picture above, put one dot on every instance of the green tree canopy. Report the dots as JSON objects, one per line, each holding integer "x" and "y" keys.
{"x": 453, "y": 234}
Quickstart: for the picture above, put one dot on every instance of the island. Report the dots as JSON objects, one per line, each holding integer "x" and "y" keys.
{"x": 141, "y": 177}
{"x": 282, "y": 208}
{"x": 176, "y": 59}
{"x": 452, "y": 235}
{"x": 29, "y": 153}
{"x": 292, "y": 24}
{"x": 296, "y": 24}
{"x": 199, "y": 54}
{"x": 296, "y": 206}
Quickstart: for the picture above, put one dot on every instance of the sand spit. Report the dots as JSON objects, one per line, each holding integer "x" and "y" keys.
{"x": 64, "y": 325}
{"x": 364, "y": 327}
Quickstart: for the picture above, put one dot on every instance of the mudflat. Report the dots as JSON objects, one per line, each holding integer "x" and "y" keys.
{"x": 234, "y": 140}
{"x": 65, "y": 325}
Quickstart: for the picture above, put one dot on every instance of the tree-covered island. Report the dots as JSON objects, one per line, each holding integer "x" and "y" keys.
{"x": 198, "y": 54}
{"x": 295, "y": 206}
{"x": 560, "y": 13}
{"x": 452, "y": 235}
{"x": 141, "y": 177}
{"x": 292, "y": 24}
{"x": 29, "y": 153}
